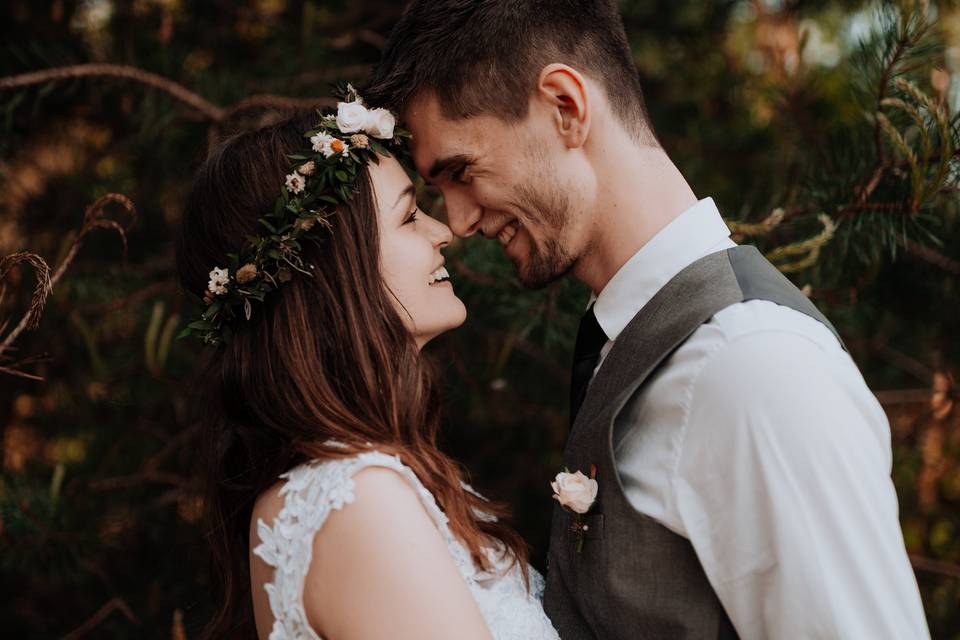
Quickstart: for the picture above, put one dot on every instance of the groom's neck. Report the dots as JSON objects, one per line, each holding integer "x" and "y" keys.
{"x": 640, "y": 191}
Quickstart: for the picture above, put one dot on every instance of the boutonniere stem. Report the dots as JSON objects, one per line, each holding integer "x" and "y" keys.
{"x": 576, "y": 493}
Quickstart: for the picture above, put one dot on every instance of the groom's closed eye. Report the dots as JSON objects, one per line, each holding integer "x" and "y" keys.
{"x": 452, "y": 167}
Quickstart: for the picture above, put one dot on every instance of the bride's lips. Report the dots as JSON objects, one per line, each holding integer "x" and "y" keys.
{"x": 440, "y": 277}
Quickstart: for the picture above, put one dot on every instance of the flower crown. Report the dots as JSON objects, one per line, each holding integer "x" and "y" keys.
{"x": 320, "y": 180}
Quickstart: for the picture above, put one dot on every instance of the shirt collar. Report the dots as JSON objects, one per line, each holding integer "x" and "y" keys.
{"x": 695, "y": 233}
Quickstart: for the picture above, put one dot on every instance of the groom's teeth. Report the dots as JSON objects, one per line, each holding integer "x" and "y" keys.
{"x": 508, "y": 232}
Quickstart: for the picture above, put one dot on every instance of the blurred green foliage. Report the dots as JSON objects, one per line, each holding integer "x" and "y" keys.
{"x": 762, "y": 105}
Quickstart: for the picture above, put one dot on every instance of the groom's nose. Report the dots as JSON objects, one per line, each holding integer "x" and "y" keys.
{"x": 463, "y": 214}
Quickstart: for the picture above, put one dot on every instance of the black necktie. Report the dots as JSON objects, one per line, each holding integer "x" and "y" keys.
{"x": 586, "y": 353}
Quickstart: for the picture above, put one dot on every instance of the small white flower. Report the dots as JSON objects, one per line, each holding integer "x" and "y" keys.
{"x": 321, "y": 142}
{"x": 218, "y": 281}
{"x": 220, "y": 276}
{"x": 307, "y": 168}
{"x": 295, "y": 183}
{"x": 574, "y": 491}
{"x": 351, "y": 116}
{"x": 380, "y": 123}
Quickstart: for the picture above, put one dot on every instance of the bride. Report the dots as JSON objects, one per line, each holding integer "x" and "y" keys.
{"x": 330, "y": 509}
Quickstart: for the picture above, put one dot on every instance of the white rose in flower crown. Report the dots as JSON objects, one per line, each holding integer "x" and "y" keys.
{"x": 351, "y": 116}
{"x": 380, "y": 123}
{"x": 574, "y": 491}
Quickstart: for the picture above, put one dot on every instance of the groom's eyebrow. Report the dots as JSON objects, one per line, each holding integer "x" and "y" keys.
{"x": 444, "y": 164}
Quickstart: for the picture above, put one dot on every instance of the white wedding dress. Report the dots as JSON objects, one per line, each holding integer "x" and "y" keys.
{"x": 312, "y": 490}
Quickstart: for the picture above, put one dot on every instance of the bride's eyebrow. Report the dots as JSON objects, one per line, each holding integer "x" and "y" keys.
{"x": 408, "y": 192}
{"x": 445, "y": 164}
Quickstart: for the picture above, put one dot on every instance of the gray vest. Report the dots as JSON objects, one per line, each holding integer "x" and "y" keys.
{"x": 633, "y": 577}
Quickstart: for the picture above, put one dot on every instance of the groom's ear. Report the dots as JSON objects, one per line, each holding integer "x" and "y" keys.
{"x": 563, "y": 90}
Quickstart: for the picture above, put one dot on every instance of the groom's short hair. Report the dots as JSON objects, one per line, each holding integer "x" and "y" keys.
{"x": 484, "y": 56}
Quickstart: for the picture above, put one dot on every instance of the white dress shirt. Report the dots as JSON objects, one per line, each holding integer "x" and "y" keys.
{"x": 763, "y": 446}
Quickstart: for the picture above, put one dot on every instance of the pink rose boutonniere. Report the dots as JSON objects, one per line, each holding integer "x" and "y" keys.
{"x": 576, "y": 493}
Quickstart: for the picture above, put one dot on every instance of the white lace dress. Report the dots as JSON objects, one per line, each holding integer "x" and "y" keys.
{"x": 312, "y": 490}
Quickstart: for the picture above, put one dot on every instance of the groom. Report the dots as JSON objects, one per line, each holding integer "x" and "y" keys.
{"x": 743, "y": 464}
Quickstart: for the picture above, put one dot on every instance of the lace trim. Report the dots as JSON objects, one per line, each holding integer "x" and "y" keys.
{"x": 312, "y": 490}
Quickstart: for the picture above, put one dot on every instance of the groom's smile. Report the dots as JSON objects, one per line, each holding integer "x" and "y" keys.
{"x": 497, "y": 182}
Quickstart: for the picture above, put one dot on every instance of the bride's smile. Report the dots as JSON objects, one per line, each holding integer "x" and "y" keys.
{"x": 413, "y": 268}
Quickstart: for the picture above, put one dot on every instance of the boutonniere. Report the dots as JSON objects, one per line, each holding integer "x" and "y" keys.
{"x": 576, "y": 493}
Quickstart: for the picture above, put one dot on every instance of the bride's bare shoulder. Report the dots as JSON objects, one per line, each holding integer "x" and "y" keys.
{"x": 378, "y": 565}
{"x": 381, "y": 568}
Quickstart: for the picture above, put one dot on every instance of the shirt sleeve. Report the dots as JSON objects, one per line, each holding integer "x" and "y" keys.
{"x": 783, "y": 486}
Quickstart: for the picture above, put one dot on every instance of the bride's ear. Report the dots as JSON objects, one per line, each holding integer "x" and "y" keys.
{"x": 564, "y": 92}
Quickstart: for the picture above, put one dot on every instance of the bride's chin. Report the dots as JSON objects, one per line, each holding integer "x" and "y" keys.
{"x": 457, "y": 316}
{"x": 462, "y": 315}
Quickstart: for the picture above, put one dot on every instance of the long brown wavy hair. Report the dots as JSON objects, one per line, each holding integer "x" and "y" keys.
{"x": 324, "y": 358}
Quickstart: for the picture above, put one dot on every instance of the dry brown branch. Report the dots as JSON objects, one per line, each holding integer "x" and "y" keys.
{"x": 136, "y": 479}
{"x": 367, "y": 36}
{"x": 559, "y": 372}
{"x": 196, "y": 102}
{"x": 31, "y": 319}
{"x": 872, "y": 183}
{"x": 181, "y": 93}
{"x": 480, "y": 278}
{"x": 270, "y": 101}
{"x": 930, "y": 256}
{"x": 93, "y": 218}
{"x": 130, "y": 300}
{"x": 355, "y": 72}
{"x": 113, "y": 604}
{"x": 20, "y": 374}
{"x": 183, "y": 437}
{"x": 922, "y": 563}
{"x": 895, "y": 397}
{"x": 904, "y": 362}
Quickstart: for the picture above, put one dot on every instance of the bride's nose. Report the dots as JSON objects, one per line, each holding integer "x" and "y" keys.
{"x": 440, "y": 234}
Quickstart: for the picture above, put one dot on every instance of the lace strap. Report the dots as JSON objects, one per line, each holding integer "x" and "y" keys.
{"x": 311, "y": 491}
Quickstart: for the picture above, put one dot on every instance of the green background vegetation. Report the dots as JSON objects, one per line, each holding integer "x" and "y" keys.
{"x": 763, "y": 105}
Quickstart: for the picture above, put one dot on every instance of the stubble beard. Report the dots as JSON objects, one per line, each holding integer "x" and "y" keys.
{"x": 548, "y": 260}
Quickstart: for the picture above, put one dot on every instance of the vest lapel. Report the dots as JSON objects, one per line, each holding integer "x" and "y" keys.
{"x": 662, "y": 325}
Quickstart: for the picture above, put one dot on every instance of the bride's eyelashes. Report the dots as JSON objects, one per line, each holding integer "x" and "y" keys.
{"x": 412, "y": 216}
